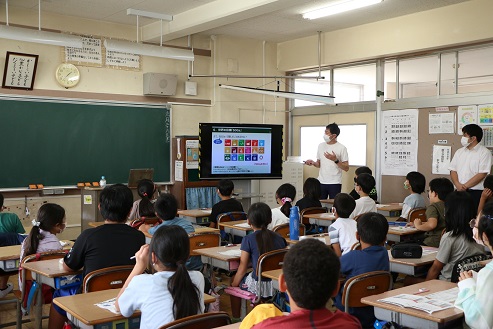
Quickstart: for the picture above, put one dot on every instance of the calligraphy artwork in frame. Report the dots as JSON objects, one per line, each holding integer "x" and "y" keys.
{"x": 20, "y": 71}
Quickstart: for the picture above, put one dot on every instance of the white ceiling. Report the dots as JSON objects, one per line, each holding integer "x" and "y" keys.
{"x": 270, "y": 20}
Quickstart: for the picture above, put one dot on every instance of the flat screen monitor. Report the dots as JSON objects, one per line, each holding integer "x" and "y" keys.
{"x": 240, "y": 151}
{"x": 136, "y": 175}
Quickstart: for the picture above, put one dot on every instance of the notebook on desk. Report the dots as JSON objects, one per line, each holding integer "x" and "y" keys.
{"x": 136, "y": 175}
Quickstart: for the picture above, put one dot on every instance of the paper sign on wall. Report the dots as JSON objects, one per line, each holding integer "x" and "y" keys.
{"x": 178, "y": 171}
{"x": 441, "y": 123}
{"x": 442, "y": 156}
{"x": 466, "y": 115}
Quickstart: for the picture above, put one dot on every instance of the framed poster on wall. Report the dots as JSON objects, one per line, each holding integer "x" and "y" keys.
{"x": 20, "y": 71}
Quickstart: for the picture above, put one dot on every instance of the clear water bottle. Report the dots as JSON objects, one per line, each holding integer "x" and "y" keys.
{"x": 102, "y": 182}
{"x": 294, "y": 223}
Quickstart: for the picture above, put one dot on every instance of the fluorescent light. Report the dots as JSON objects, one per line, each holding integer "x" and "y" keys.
{"x": 339, "y": 7}
{"x": 329, "y": 100}
{"x": 37, "y": 36}
{"x": 148, "y": 50}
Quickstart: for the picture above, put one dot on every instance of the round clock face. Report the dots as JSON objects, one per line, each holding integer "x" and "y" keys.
{"x": 67, "y": 75}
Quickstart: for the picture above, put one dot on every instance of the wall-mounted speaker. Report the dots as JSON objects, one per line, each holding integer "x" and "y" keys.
{"x": 160, "y": 84}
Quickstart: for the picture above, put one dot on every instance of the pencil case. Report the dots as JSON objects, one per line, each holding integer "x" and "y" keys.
{"x": 406, "y": 250}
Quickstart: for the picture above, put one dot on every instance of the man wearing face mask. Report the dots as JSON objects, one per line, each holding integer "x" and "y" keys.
{"x": 332, "y": 159}
{"x": 471, "y": 163}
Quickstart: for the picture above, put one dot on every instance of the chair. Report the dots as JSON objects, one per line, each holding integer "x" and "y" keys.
{"x": 203, "y": 240}
{"x": 467, "y": 264}
{"x": 417, "y": 213}
{"x": 312, "y": 210}
{"x": 106, "y": 278}
{"x": 229, "y": 217}
{"x": 283, "y": 230}
{"x": 363, "y": 285}
{"x": 356, "y": 246}
{"x": 271, "y": 260}
{"x": 200, "y": 321}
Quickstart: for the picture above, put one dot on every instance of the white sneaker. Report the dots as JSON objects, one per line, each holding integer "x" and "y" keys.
{"x": 5, "y": 291}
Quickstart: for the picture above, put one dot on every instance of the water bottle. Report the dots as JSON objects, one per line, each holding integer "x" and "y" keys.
{"x": 102, "y": 182}
{"x": 294, "y": 223}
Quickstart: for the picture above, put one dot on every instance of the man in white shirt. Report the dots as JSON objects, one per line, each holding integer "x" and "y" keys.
{"x": 332, "y": 159}
{"x": 471, "y": 163}
{"x": 364, "y": 184}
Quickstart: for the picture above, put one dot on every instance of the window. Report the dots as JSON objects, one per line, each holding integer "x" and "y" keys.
{"x": 418, "y": 77}
{"x": 312, "y": 86}
{"x": 355, "y": 83}
{"x": 475, "y": 70}
{"x": 351, "y": 136}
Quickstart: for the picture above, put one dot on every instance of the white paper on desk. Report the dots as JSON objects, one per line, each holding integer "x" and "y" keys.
{"x": 382, "y": 205}
{"x": 449, "y": 295}
{"x": 108, "y": 305}
{"x": 231, "y": 252}
{"x": 245, "y": 225}
{"x": 429, "y": 252}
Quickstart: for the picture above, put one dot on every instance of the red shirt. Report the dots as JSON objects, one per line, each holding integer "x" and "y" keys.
{"x": 321, "y": 318}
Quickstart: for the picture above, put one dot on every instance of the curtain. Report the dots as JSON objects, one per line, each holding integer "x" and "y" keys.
{"x": 201, "y": 197}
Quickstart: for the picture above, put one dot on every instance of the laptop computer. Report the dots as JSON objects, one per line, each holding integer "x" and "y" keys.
{"x": 136, "y": 175}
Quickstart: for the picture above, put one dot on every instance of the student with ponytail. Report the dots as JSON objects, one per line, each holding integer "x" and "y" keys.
{"x": 253, "y": 245}
{"x": 170, "y": 293}
{"x": 144, "y": 207}
{"x": 285, "y": 195}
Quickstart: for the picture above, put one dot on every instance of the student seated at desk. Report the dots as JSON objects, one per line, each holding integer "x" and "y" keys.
{"x": 172, "y": 292}
{"x": 166, "y": 207}
{"x": 285, "y": 195}
{"x": 364, "y": 184}
{"x": 475, "y": 294}
{"x": 111, "y": 244}
{"x": 144, "y": 207}
{"x": 311, "y": 194}
{"x": 440, "y": 188}
{"x": 11, "y": 225}
{"x": 486, "y": 196}
{"x": 342, "y": 232}
{"x": 415, "y": 183}
{"x": 310, "y": 276}
{"x": 372, "y": 232}
{"x": 457, "y": 241}
{"x": 227, "y": 204}
{"x": 373, "y": 192}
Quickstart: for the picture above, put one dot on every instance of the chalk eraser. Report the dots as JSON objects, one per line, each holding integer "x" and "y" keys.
{"x": 95, "y": 184}
{"x": 88, "y": 184}
{"x": 32, "y": 186}
{"x": 80, "y": 184}
{"x": 40, "y": 186}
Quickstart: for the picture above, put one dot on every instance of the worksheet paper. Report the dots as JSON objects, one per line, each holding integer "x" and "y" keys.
{"x": 441, "y": 123}
{"x": 399, "y": 153}
{"x": 442, "y": 155}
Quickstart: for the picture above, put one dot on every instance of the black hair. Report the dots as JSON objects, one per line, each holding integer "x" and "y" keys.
{"x": 286, "y": 191}
{"x": 485, "y": 224}
{"x": 366, "y": 182}
{"x": 49, "y": 216}
{"x": 488, "y": 182}
{"x": 311, "y": 188}
{"x": 311, "y": 283}
{"x": 372, "y": 228}
{"x": 473, "y": 130}
{"x": 171, "y": 245}
{"x": 333, "y": 128}
{"x": 363, "y": 170}
{"x": 344, "y": 204}
{"x": 225, "y": 187}
{"x": 259, "y": 216}
{"x": 417, "y": 181}
{"x": 1, "y": 201}
{"x": 442, "y": 187}
{"x": 146, "y": 189}
{"x": 115, "y": 202}
{"x": 459, "y": 210}
{"x": 166, "y": 206}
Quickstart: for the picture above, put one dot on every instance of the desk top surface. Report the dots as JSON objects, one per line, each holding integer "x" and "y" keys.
{"x": 14, "y": 252}
{"x": 327, "y": 201}
{"x": 203, "y": 212}
{"x": 429, "y": 255}
{"x": 217, "y": 252}
{"x": 433, "y": 285}
{"x": 403, "y": 230}
{"x": 323, "y": 215}
{"x": 390, "y": 207}
{"x": 273, "y": 274}
{"x": 324, "y": 237}
{"x": 51, "y": 268}
{"x": 198, "y": 229}
{"x": 237, "y": 225}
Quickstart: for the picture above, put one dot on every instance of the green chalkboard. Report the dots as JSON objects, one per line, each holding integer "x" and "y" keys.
{"x": 60, "y": 143}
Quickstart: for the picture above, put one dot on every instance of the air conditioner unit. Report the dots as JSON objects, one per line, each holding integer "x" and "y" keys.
{"x": 160, "y": 84}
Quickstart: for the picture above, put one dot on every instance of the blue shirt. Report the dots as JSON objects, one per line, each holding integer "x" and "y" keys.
{"x": 194, "y": 262}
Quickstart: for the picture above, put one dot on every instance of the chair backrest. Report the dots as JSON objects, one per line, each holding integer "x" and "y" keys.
{"x": 357, "y": 217}
{"x": 106, "y": 278}
{"x": 151, "y": 220}
{"x": 231, "y": 216}
{"x": 363, "y": 285}
{"x": 417, "y": 213}
{"x": 467, "y": 264}
{"x": 200, "y": 321}
{"x": 309, "y": 211}
{"x": 283, "y": 230}
{"x": 203, "y": 240}
{"x": 271, "y": 260}
{"x": 356, "y": 246}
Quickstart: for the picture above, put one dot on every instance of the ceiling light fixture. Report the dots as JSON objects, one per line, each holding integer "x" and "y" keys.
{"x": 339, "y": 7}
{"x": 329, "y": 100}
{"x": 37, "y": 36}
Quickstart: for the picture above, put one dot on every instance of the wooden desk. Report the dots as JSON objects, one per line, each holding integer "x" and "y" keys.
{"x": 411, "y": 317}
{"x": 233, "y": 228}
{"x": 402, "y": 233}
{"x": 322, "y": 237}
{"x": 390, "y": 209}
{"x": 321, "y": 219}
{"x": 198, "y": 229}
{"x": 213, "y": 257}
{"x": 327, "y": 203}
{"x": 274, "y": 276}
{"x": 95, "y": 224}
{"x": 413, "y": 266}
{"x": 231, "y": 326}
{"x": 197, "y": 216}
{"x": 49, "y": 272}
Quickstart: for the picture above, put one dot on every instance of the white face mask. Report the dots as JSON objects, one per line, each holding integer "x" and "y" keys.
{"x": 327, "y": 138}
{"x": 464, "y": 141}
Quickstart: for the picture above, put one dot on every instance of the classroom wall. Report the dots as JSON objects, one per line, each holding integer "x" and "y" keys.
{"x": 447, "y": 26}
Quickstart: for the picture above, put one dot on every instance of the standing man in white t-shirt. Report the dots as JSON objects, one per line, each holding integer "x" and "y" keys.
{"x": 332, "y": 159}
{"x": 471, "y": 163}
